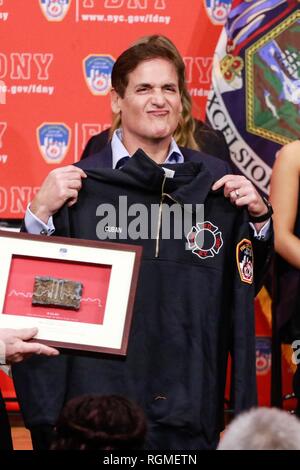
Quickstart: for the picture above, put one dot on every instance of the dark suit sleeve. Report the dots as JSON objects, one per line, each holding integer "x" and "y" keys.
{"x": 95, "y": 144}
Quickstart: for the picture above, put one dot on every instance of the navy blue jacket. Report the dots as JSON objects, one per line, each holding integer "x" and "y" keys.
{"x": 189, "y": 312}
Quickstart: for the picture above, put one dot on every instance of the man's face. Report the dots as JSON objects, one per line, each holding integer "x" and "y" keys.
{"x": 151, "y": 106}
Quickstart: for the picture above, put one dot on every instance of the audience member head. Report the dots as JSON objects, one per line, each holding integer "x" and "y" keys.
{"x": 151, "y": 47}
{"x": 94, "y": 422}
{"x": 262, "y": 429}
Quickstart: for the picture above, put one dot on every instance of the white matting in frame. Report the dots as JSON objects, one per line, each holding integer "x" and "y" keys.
{"x": 107, "y": 271}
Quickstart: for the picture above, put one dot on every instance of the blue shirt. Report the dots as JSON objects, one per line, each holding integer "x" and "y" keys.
{"x": 119, "y": 151}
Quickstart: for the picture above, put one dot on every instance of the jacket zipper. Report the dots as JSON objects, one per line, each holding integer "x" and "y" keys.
{"x": 163, "y": 195}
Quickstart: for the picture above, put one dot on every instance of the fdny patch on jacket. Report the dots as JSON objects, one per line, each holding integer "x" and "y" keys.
{"x": 244, "y": 259}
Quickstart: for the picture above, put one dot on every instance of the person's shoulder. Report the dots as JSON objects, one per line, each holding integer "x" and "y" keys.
{"x": 95, "y": 144}
{"x": 217, "y": 166}
{"x": 92, "y": 161}
{"x": 102, "y": 159}
{"x": 290, "y": 152}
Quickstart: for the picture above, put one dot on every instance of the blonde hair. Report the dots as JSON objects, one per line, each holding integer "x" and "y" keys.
{"x": 184, "y": 133}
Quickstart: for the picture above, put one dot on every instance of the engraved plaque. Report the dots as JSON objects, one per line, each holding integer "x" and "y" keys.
{"x": 57, "y": 292}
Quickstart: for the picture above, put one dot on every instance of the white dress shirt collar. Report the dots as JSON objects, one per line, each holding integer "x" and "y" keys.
{"x": 119, "y": 151}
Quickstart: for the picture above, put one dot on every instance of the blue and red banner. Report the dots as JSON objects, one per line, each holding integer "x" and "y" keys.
{"x": 255, "y": 97}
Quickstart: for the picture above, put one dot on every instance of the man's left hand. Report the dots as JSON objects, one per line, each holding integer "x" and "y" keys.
{"x": 242, "y": 192}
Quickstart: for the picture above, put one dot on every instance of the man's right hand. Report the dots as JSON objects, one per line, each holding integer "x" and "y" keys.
{"x": 61, "y": 185}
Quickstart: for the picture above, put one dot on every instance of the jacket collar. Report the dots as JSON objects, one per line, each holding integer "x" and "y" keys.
{"x": 190, "y": 185}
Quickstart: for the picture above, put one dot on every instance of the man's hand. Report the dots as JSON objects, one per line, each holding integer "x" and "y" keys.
{"x": 61, "y": 185}
{"x": 15, "y": 348}
{"x": 242, "y": 192}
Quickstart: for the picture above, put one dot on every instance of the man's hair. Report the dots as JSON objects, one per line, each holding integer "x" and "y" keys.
{"x": 128, "y": 61}
{"x": 262, "y": 429}
{"x": 100, "y": 423}
{"x": 153, "y": 47}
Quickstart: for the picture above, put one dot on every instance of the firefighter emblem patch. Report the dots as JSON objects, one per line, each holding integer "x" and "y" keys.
{"x": 244, "y": 260}
{"x": 205, "y": 240}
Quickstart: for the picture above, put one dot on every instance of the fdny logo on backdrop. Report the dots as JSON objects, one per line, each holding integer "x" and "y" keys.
{"x": 55, "y": 10}
{"x": 53, "y": 141}
{"x": 97, "y": 72}
{"x": 244, "y": 259}
{"x": 217, "y": 10}
{"x": 205, "y": 240}
{"x": 263, "y": 355}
